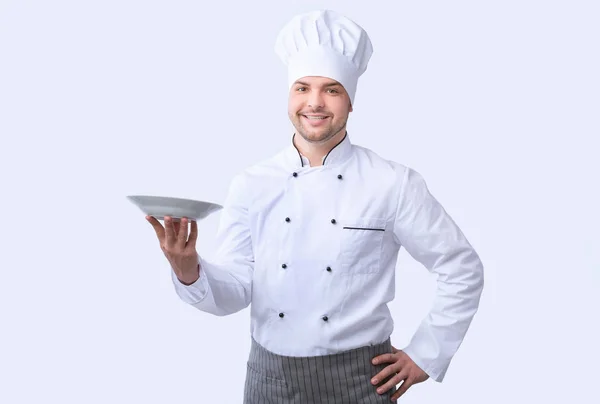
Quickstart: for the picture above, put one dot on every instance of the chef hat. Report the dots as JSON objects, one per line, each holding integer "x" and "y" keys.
{"x": 324, "y": 43}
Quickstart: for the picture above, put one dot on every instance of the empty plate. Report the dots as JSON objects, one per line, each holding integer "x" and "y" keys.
{"x": 161, "y": 206}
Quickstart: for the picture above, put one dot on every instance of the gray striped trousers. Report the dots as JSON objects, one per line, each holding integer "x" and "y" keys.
{"x": 342, "y": 378}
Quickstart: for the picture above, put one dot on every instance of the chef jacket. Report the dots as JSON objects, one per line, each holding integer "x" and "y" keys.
{"x": 313, "y": 252}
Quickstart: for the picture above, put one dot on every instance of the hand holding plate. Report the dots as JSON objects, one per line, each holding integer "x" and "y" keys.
{"x": 179, "y": 249}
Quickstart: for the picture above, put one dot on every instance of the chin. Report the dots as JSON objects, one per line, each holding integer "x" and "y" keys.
{"x": 314, "y": 136}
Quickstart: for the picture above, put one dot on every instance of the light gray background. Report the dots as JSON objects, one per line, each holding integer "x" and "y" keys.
{"x": 496, "y": 103}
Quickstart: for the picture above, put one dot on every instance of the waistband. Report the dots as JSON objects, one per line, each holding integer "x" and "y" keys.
{"x": 350, "y": 363}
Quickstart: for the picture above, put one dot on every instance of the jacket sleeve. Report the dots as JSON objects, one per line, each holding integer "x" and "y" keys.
{"x": 225, "y": 283}
{"x": 432, "y": 238}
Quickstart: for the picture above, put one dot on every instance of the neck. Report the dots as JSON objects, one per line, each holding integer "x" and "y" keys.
{"x": 316, "y": 151}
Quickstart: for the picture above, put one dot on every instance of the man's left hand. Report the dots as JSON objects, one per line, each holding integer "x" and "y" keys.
{"x": 402, "y": 368}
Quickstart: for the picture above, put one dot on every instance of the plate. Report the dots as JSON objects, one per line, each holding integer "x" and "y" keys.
{"x": 161, "y": 206}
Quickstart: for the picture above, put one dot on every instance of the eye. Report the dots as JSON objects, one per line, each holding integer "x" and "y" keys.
{"x": 300, "y": 88}
{"x": 332, "y": 90}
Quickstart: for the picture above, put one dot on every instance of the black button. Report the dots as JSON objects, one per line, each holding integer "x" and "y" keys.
{"x": 283, "y": 266}
{"x": 325, "y": 318}
{"x": 329, "y": 269}
{"x": 287, "y": 219}
{"x": 339, "y": 176}
{"x": 333, "y": 221}
{"x": 281, "y": 315}
{"x": 295, "y": 174}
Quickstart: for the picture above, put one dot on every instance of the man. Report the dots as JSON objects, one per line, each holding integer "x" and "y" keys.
{"x": 311, "y": 238}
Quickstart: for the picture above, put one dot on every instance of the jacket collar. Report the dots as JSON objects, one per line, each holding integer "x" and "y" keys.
{"x": 337, "y": 155}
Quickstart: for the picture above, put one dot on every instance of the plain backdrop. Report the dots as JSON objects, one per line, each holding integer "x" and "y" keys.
{"x": 496, "y": 103}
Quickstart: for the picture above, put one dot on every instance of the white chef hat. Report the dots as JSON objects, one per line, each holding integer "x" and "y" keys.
{"x": 324, "y": 43}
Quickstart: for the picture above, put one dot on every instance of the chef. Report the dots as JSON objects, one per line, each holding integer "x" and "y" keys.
{"x": 309, "y": 239}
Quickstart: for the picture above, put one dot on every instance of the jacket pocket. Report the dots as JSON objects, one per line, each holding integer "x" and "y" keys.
{"x": 361, "y": 245}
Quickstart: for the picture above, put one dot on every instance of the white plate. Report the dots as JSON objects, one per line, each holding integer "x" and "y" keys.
{"x": 161, "y": 206}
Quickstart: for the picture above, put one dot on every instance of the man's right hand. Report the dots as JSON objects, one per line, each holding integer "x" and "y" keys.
{"x": 177, "y": 247}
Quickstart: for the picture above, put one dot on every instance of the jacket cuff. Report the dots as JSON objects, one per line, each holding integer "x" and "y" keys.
{"x": 195, "y": 292}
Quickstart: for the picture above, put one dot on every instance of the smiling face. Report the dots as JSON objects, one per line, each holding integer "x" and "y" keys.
{"x": 318, "y": 108}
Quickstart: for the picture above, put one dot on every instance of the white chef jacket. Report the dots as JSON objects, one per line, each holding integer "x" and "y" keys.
{"x": 313, "y": 251}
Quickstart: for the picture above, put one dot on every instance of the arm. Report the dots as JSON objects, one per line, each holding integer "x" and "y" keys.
{"x": 224, "y": 285}
{"x": 431, "y": 237}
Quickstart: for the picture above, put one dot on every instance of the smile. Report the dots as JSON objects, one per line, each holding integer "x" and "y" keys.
{"x": 315, "y": 117}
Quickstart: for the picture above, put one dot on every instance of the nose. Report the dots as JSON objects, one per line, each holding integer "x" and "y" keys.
{"x": 315, "y": 99}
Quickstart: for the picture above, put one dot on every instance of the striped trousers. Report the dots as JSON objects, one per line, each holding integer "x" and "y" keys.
{"x": 342, "y": 378}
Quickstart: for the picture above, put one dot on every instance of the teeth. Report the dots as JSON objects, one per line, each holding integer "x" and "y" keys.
{"x": 315, "y": 117}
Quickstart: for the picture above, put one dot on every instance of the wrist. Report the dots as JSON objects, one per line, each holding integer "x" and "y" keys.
{"x": 187, "y": 281}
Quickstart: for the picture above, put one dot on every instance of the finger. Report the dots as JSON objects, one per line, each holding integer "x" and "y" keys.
{"x": 384, "y": 358}
{"x": 193, "y": 234}
{"x": 169, "y": 231}
{"x": 385, "y": 373}
{"x": 403, "y": 387}
{"x": 182, "y": 233}
{"x": 158, "y": 228}
{"x": 391, "y": 383}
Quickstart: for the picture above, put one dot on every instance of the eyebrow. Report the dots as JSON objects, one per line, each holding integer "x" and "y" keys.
{"x": 326, "y": 85}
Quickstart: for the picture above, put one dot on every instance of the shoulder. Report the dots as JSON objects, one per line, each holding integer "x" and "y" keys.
{"x": 370, "y": 160}
{"x": 400, "y": 179}
{"x": 254, "y": 177}
{"x": 271, "y": 166}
